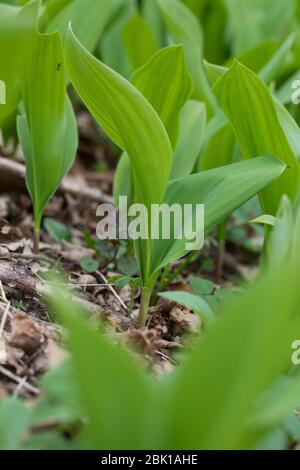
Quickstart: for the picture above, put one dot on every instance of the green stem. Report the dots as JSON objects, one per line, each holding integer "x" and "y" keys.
{"x": 144, "y": 305}
{"x": 36, "y": 241}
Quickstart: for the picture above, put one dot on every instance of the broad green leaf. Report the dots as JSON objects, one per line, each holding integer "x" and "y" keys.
{"x": 211, "y": 188}
{"x": 9, "y": 62}
{"x": 89, "y": 19}
{"x": 219, "y": 149}
{"x": 153, "y": 17}
{"x": 126, "y": 116}
{"x": 241, "y": 14}
{"x": 202, "y": 286}
{"x": 57, "y": 230}
{"x": 195, "y": 302}
{"x": 290, "y": 128}
{"x": 129, "y": 120}
{"x": 268, "y": 72}
{"x": 252, "y": 21}
{"x": 257, "y": 57}
{"x": 47, "y": 130}
{"x": 165, "y": 82}
{"x": 214, "y": 71}
{"x": 274, "y": 66}
{"x": 16, "y": 27}
{"x": 196, "y": 6}
{"x": 192, "y": 127}
{"x": 112, "y": 47}
{"x": 240, "y": 357}
{"x": 250, "y": 108}
{"x": 139, "y": 41}
{"x": 123, "y": 183}
{"x": 185, "y": 29}
{"x": 51, "y": 9}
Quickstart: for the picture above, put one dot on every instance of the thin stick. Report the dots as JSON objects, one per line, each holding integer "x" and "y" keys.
{"x": 28, "y": 256}
{"x": 3, "y": 295}
{"x": 17, "y": 379}
{"x": 19, "y": 387}
{"x": 166, "y": 357}
{"x": 4, "y": 318}
{"x": 112, "y": 290}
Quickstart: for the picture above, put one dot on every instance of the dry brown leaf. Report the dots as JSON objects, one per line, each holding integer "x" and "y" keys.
{"x": 26, "y": 334}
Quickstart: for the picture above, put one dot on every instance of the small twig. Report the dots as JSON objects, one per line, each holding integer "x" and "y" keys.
{"x": 19, "y": 387}
{"x": 4, "y": 318}
{"x": 112, "y": 290}
{"x": 3, "y": 295}
{"x": 17, "y": 379}
{"x": 166, "y": 357}
{"x": 69, "y": 284}
{"x": 28, "y": 256}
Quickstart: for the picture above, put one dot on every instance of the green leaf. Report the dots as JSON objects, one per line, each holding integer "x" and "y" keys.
{"x": 166, "y": 83}
{"x": 220, "y": 144}
{"x": 89, "y": 264}
{"x": 112, "y": 46}
{"x": 152, "y": 14}
{"x": 89, "y": 19}
{"x": 120, "y": 281}
{"x": 274, "y": 66}
{"x": 121, "y": 110}
{"x": 130, "y": 121}
{"x": 139, "y": 41}
{"x": 210, "y": 188}
{"x": 265, "y": 22}
{"x": 192, "y": 127}
{"x": 195, "y": 302}
{"x": 202, "y": 286}
{"x": 16, "y": 28}
{"x": 127, "y": 265}
{"x": 47, "y": 130}
{"x": 290, "y": 128}
{"x": 57, "y": 230}
{"x": 185, "y": 29}
{"x": 250, "y": 108}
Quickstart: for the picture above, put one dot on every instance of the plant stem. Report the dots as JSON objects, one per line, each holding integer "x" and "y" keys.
{"x": 144, "y": 305}
{"x": 36, "y": 241}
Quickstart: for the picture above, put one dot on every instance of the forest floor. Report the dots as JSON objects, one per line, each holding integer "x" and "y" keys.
{"x": 30, "y": 340}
